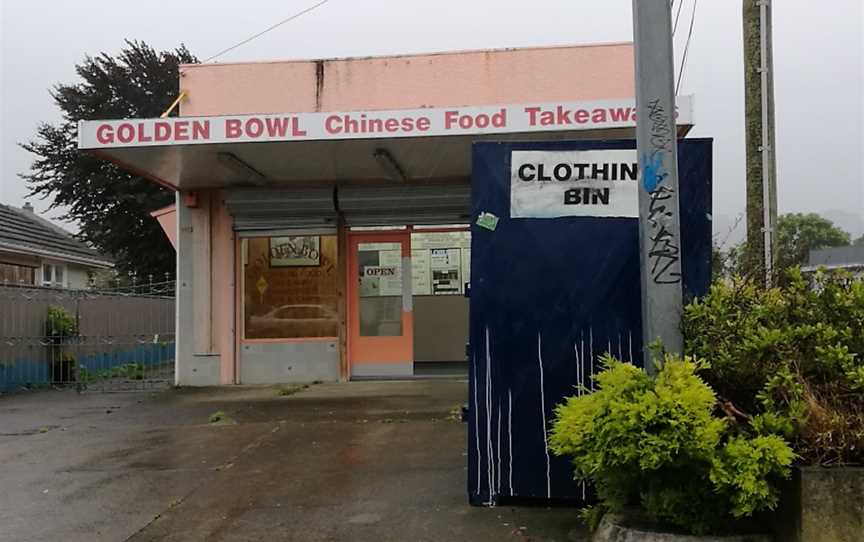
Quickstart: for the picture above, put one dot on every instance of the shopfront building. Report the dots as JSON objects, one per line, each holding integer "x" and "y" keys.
{"x": 322, "y": 206}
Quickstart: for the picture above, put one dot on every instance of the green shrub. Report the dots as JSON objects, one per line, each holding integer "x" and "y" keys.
{"x": 290, "y": 389}
{"x": 130, "y": 371}
{"x": 789, "y": 360}
{"x": 60, "y": 323}
{"x": 220, "y": 418}
{"x": 657, "y": 444}
{"x": 60, "y": 327}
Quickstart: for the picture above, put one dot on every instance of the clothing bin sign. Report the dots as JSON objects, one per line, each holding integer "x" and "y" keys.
{"x": 552, "y": 184}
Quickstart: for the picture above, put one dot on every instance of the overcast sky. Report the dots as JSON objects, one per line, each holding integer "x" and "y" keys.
{"x": 818, "y": 63}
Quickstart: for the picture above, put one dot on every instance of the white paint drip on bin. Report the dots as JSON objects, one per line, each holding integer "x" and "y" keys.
{"x": 543, "y": 417}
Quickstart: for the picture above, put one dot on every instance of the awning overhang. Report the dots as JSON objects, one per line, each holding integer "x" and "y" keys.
{"x": 195, "y": 153}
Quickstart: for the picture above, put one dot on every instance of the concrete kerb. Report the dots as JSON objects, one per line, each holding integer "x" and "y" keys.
{"x": 614, "y": 528}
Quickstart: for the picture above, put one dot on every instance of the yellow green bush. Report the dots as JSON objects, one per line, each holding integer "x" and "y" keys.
{"x": 657, "y": 443}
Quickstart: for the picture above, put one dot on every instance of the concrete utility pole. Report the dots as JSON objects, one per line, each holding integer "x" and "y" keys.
{"x": 657, "y": 146}
{"x": 761, "y": 254}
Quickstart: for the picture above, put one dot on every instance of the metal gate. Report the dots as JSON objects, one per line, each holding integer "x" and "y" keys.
{"x": 115, "y": 339}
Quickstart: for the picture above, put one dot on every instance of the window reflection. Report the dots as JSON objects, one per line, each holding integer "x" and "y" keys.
{"x": 290, "y": 287}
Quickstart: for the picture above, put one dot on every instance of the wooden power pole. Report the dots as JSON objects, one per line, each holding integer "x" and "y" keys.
{"x": 760, "y": 256}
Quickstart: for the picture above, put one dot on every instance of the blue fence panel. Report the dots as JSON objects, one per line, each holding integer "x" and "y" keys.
{"x": 20, "y": 373}
{"x": 25, "y": 373}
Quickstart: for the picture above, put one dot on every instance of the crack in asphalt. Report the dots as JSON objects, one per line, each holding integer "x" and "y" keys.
{"x": 254, "y": 445}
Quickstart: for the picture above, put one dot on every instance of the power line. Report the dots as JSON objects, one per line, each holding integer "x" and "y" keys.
{"x": 686, "y": 48}
{"x": 677, "y": 14}
{"x": 268, "y": 29}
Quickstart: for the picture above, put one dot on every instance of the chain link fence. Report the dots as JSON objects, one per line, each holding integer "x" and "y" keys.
{"x": 111, "y": 339}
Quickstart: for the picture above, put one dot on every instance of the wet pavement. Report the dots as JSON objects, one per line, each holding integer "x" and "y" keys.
{"x": 365, "y": 461}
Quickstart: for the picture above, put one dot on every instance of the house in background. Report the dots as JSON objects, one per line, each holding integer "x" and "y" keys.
{"x": 849, "y": 258}
{"x": 35, "y": 252}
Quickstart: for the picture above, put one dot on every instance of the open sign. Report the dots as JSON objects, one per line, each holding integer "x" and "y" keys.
{"x": 380, "y": 271}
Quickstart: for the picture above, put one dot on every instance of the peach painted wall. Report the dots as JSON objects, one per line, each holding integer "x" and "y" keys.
{"x": 590, "y": 72}
{"x": 167, "y": 217}
{"x": 222, "y": 287}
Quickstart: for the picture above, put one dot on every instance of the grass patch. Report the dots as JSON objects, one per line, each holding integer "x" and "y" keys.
{"x": 131, "y": 371}
{"x": 455, "y": 414}
{"x": 291, "y": 389}
{"x": 220, "y": 417}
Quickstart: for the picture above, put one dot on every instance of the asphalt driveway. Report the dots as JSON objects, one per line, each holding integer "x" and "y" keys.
{"x": 380, "y": 461}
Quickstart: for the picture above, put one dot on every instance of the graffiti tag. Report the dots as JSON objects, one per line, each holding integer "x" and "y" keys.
{"x": 664, "y": 253}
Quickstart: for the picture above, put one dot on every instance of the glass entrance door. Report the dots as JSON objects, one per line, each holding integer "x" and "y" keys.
{"x": 380, "y": 316}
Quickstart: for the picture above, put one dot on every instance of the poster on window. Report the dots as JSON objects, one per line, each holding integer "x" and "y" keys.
{"x": 381, "y": 280}
{"x": 380, "y": 269}
{"x": 420, "y": 275}
{"x": 446, "y": 275}
{"x": 451, "y": 239}
{"x": 466, "y": 265}
{"x": 298, "y": 251}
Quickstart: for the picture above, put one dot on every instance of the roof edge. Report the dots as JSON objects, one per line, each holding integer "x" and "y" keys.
{"x": 105, "y": 264}
{"x": 831, "y": 267}
{"x": 164, "y": 211}
{"x": 410, "y": 55}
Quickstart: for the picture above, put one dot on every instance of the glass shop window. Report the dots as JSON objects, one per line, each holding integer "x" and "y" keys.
{"x": 440, "y": 262}
{"x": 290, "y": 287}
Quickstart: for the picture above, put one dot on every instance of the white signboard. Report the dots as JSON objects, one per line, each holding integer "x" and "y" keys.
{"x": 437, "y": 121}
{"x": 298, "y": 251}
{"x": 552, "y": 184}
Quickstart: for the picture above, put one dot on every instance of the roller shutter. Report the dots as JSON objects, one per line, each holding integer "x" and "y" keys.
{"x": 403, "y": 204}
{"x": 382, "y": 205}
{"x": 281, "y": 209}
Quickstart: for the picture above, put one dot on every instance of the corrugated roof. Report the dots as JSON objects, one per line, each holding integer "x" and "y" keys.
{"x": 35, "y": 235}
{"x": 840, "y": 256}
